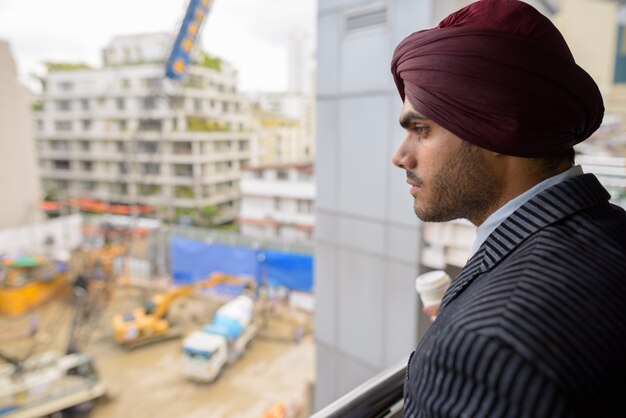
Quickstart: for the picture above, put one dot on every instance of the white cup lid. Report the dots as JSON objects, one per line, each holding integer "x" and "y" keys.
{"x": 431, "y": 280}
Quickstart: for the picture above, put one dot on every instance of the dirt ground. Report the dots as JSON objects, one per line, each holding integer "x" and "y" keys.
{"x": 147, "y": 382}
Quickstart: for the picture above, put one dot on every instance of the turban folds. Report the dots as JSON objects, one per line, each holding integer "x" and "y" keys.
{"x": 498, "y": 74}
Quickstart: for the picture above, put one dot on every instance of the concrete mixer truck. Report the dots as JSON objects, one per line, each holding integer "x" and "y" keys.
{"x": 208, "y": 351}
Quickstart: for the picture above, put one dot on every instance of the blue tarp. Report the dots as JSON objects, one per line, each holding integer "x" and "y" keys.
{"x": 293, "y": 271}
{"x": 196, "y": 260}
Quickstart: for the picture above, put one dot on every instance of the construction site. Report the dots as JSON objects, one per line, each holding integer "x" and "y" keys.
{"x": 84, "y": 337}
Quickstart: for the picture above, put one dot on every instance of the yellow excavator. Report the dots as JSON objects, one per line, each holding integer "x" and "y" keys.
{"x": 148, "y": 324}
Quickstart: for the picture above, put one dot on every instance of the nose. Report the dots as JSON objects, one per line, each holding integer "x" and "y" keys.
{"x": 403, "y": 157}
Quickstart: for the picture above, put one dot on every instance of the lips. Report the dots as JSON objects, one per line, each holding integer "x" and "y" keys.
{"x": 414, "y": 187}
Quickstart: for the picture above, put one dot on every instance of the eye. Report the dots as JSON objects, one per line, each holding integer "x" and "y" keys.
{"x": 420, "y": 130}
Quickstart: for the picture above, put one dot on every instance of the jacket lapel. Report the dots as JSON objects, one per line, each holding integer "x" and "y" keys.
{"x": 553, "y": 204}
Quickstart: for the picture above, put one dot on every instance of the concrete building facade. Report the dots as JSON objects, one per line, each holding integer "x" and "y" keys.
{"x": 277, "y": 201}
{"x": 367, "y": 242}
{"x": 123, "y": 133}
{"x": 297, "y": 106}
{"x": 19, "y": 178}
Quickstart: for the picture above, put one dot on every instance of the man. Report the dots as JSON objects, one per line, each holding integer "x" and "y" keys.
{"x": 535, "y": 323}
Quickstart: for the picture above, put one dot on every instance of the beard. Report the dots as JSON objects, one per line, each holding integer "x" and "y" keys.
{"x": 463, "y": 188}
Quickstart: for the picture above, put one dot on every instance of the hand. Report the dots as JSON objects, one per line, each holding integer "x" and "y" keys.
{"x": 431, "y": 311}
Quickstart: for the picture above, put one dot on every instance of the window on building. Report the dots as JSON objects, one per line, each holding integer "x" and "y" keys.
{"x": 182, "y": 148}
{"x": 244, "y": 145}
{"x": 40, "y": 125}
{"x": 84, "y": 104}
{"x": 183, "y": 170}
{"x": 177, "y": 102}
{"x": 63, "y": 105}
{"x": 305, "y": 206}
{"x": 86, "y": 165}
{"x": 63, "y": 126}
{"x": 282, "y": 175}
{"x": 185, "y": 192}
{"x": 197, "y": 104}
{"x": 149, "y": 189}
{"x": 85, "y": 124}
{"x": 125, "y": 83}
{"x": 122, "y": 167}
{"x": 87, "y": 186}
{"x": 120, "y": 103}
{"x": 120, "y": 146}
{"x": 122, "y": 125}
{"x": 85, "y": 145}
{"x": 65, "y": 85}
{"x": 150, "y": 125}
{"x": 195, "y": 81}
{"x": 151, "y": 83}
{"x": 148, "y": 147}
{"x": 59, "y": 145}
{"x": 151, "y": 168}
{"x": 119, "y": 189}
{"x": 277, "y": 203}
{"x": 224, "y": 106}
{"x": 258, "y": 174}
{"x": 61, "y": 164}
{"x": 304, "y": 176}
{"x": 149, "y": 103}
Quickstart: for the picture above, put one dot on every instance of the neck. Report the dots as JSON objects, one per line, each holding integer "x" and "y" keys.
{"x": 517, "y": 180}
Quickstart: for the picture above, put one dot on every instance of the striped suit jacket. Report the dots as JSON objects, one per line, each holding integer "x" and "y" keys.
{"x": 535, "y": 323}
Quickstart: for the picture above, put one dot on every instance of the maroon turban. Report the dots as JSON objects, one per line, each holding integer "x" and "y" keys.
{"x": 498, "y": 74}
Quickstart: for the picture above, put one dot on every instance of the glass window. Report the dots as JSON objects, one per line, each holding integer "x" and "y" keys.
{"x": 149, "y": 103}
{"x": 62, "y": 105}
{"x": 63, "y": 125}
{"x": 61, "y": 164}
{"x": 66, "y": 85}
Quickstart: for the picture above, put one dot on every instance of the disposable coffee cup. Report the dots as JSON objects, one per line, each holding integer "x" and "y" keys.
{"x": 431, "y": 286}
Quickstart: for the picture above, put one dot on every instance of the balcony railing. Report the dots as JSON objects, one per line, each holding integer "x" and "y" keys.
{"x": 379, "y": 397}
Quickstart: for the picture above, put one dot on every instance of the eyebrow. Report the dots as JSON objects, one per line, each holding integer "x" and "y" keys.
{"x": 406, "y": 119}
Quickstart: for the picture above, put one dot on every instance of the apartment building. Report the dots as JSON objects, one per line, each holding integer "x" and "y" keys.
{"x": 123, "y": 133}
{"x": 298, "y": 106}
{"x": 277, "y": 138}
{"x": 277, "y": 201}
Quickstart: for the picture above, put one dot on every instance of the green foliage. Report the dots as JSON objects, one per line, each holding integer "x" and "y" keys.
{"x": 51, "y": 195}
{"x": 205, "y": 125}
{"x": 230, "y": 227}
{"x": 208, "y": 61}
{"x": 66, "y": 66}
{"x": 149, "y": 189}
{"x": 184, "y": 211}
{"x": 185, "y": 192}
{"x": 37, "y": 106}
{"x": 206, "y": 216}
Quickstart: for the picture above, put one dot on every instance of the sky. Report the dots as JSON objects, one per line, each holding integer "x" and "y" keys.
{"x": 250, "y": 34}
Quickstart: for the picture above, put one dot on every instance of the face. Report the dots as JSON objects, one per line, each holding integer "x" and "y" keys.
{"x": 449, "y": 178}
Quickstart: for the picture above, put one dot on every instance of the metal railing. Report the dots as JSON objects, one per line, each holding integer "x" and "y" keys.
{"x": 379, "y": 397}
